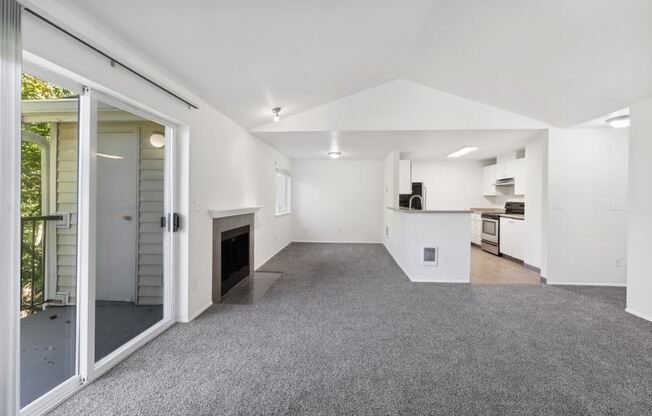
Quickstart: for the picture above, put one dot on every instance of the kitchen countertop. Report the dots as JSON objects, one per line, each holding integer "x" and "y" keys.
{"x": 513, "y": 216}
{"x": 481, "y": 210}
{"x": 431, "y": 211}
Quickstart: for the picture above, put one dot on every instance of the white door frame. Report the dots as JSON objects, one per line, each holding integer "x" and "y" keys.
{"x": 87, "y": 368}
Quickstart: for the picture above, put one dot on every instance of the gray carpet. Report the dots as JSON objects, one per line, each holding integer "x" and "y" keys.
{"x": 344, "y": 332}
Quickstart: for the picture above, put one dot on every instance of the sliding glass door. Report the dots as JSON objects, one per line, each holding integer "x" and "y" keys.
{"x": 48, "y": 261}
{"x": 130, "y": 226}
{"x": 96, "y": 235}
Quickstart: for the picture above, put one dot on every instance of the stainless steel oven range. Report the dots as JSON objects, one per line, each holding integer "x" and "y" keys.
{"x": 491, "y": 226}
{"x": 491, "y": 232}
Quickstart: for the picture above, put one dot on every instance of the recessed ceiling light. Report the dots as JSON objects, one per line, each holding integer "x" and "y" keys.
{"x": 157, "y": 140}
{"x": 276, "y": 112}
{"x": 334, "y": 155}
{"x": 463, "y": 151}
{"x": 618, "y": 122}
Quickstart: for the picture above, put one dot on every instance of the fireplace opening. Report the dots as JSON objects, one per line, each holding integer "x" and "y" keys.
{"x": 235, "y": 257}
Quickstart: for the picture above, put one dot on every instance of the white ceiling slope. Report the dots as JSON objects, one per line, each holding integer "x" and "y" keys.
{"x": 375, "y": 145}
{"x": 559, "y": 61}
{"x": 401, "y": 105}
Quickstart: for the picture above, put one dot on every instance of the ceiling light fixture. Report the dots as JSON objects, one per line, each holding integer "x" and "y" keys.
{"x": 107, "y": 156}
{"x": 157, "y": 140}
{"x": 276, "y": 111}
{"x": 618, "y": 122}
{"x": 463, "y": 151}
{"x": 334, "y": 155}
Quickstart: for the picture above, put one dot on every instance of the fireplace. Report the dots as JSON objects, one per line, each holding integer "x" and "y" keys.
{"x": 233, "y": 249}
{"x": 235, "y": 257}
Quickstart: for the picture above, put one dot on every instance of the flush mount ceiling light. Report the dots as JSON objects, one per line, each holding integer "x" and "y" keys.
{"x": 618, "y": 122}
{"x": 276, "y": 112}
{"x": 334, "y": 155}
{"x": 157, "y": 140}
{"x": 463, "y": 151}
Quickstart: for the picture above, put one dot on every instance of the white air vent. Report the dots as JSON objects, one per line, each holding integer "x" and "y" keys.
{"x": 429, "y": 255}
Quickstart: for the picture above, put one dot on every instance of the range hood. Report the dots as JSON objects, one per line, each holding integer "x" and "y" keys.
{"x": 505, "y": 182}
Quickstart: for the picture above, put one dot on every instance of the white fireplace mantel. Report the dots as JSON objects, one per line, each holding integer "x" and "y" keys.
{"x": 221, "y": 213}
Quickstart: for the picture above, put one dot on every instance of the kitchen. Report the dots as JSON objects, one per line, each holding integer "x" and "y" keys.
{"x": 494, "y": 191}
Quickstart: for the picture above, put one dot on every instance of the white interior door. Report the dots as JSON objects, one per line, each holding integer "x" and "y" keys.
{"x": 117, "y": 210}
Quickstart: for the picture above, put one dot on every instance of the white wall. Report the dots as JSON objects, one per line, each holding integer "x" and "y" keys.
{"x": 221, "y": 165}
{"x": 639, "y": 243}
{"x": 587, "y": 197}
{"x": 451, "y": 184}
{"x": 408, "y": 233}
{"x": 536, "y": 175}
{"x": 337, "y": 201}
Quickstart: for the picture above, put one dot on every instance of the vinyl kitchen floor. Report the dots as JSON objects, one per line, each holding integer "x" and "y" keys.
{"x": 489, "y": 269}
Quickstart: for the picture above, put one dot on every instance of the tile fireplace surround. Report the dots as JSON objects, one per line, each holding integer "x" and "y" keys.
{"x": 222, "y": 222}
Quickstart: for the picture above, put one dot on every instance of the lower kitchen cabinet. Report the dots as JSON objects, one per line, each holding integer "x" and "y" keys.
{"x": 512, "y": 237}
{"x": 476, "y": 228}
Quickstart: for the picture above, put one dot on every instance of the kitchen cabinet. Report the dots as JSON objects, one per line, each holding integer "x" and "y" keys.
{"x": 476, "y": 228}
{"x": 512, "y": 237}
{"x": 489, "y": 180}
{"x": 405, "y": 177}
{"x": 504, "y": 170}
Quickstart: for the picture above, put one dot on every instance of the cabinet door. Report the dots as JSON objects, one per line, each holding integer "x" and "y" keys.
{"x": 505, "y": 170}
{"x": 519, "y": 177}
{"x": 405, "y": 177}
{"x": 476, "y": 229}
{"x": 489, "y": 180}
{"x": 506, "y": 233}
{"x": 518, "y": 239}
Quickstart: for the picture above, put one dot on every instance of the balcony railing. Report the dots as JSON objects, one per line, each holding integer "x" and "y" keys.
{"x": 33, "y": 256}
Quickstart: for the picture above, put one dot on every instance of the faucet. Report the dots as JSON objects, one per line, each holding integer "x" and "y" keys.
{"x": 410, "y": 201}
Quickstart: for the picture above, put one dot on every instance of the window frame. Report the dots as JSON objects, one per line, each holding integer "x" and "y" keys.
{"x": 288, "y": 192}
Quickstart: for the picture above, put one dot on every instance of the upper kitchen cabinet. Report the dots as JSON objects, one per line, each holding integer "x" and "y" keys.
{"x": 505, "y": 170}
{"x": 509, "y": 175}
{"x": 405, "y": 177}
{"x": 518, "y": 167}
{"x": 489, "y": 180}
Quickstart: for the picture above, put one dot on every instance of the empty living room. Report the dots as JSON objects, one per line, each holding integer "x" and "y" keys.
{"x": 342, "y": 207}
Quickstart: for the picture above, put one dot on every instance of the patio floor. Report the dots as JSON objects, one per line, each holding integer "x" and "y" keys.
{"x": 48, "y": 339}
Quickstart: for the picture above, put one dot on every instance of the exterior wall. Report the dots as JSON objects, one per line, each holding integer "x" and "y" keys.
{"x": 66, "y": 201}
{"x": 150, "y": 210}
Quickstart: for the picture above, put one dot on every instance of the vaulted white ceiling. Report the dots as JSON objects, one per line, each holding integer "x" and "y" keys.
{"x": 558, "y": 61}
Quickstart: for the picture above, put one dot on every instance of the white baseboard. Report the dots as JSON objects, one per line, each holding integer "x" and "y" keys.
{"x": 638, "y": 314}
{"x": 336, "y": 242}
{"x": 196, "y": 314}
{"x": 268, "y": 258}
{"x": 585, "y": 284}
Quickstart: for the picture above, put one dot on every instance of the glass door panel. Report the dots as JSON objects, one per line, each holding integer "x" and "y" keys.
{"x": 130, "y": 205}
{"x": 48, "y": 273}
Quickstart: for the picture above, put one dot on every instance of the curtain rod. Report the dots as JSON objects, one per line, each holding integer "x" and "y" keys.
{"x": 112, "y": 60}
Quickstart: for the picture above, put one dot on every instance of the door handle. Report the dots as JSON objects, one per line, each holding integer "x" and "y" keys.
{"x": 126, "y": 217}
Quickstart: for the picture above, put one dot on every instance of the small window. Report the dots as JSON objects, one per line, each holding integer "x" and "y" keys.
{"x": 283, "y": 192}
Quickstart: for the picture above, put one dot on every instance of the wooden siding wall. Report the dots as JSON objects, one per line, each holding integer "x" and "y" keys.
{"x": 66, "y": 197}
{"x": 150, "y": 211}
